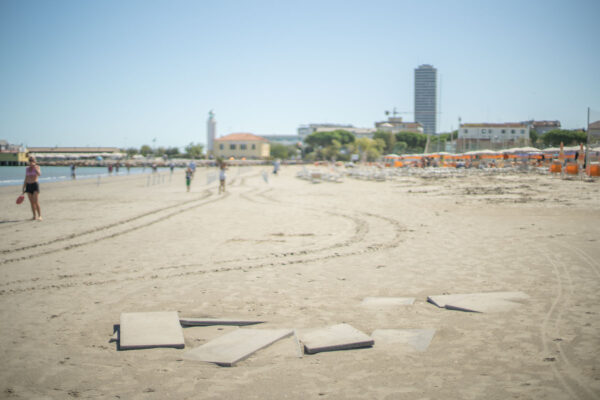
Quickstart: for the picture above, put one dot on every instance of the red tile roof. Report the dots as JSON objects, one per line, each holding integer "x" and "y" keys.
{"x": 241, "y": 137}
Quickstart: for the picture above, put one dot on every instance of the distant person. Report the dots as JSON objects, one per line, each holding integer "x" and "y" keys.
{"x": 154, "y": 168}
{"x": 73, "y": 171}
{"x": 128, "y": 166}
{"x": 32, "y": 187}
{"x": 117, "y": 166}
{"x": 110, "y": 168}
{"x": 276, "y": 167}
{"x": 188, "y": 178}
{"x": 171, "y": 167}
{"x": 222, "y": 177}
{"x": 192, "y": 166}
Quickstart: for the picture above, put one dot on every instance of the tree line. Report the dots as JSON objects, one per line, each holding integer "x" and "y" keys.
{"x": 557, "y": 136}
{"x": 192, "y": 150}
{"x": 342, "y": 145}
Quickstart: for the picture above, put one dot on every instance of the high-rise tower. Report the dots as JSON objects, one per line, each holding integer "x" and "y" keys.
{"x": 211, "y": 132}
{"x": 426, "y": 97}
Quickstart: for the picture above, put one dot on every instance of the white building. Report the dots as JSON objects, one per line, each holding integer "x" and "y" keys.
{"x": 492, "y": 136}
{"x": 396, "y": 125}
{"x": 211, "y": 132}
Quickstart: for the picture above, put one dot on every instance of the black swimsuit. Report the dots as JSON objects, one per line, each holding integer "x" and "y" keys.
{"x": 32, "y": 187}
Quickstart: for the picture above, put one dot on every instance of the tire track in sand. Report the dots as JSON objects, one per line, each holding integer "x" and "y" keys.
{"x": 114, "y": 226}
{"x": 566, "y": 373}
{"x": 282, "y": 259}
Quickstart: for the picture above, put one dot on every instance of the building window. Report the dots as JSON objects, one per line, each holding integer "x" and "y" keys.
{"x": 503, "y": 131}
{"x": 253, "y": 147}
{"x": 243, "y": 146}
{"x": 221, "y": 146}
{"x": 483, "y": 131}
{"x": 232, "y": 147}
{"x": 466, "y": 131}
{"x": 522, "y": 131}
{"x": 512, "y": 131}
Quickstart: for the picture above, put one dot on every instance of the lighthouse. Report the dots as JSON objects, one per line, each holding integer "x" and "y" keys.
{"x": 211, "y": 132}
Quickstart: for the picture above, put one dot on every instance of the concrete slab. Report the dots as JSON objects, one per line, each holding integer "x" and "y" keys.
{"x": 150, "y": 329}
{"x": 235, "y": 346}
{"x": 387, "y": 301}
{"x": 185, "y": 321}
{"x": 336, "y": 337}
{"x": 479, "y": 302}
{"x": 417, "y": 339}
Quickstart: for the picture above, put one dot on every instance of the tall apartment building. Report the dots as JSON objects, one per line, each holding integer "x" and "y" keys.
{"x": 211, "y": 132}
{"x": 426, "y": 97}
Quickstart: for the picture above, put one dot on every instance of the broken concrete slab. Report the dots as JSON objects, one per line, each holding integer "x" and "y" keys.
{"x": 150, "y": 329}
{"x": 185, "y": 321}
{"x": 336, "y": 337}
{"x": 479, "y": 302}
{"x": 387, "y": 301}
{"x": 417, "y": 339}
{"x": 235, "y": 346}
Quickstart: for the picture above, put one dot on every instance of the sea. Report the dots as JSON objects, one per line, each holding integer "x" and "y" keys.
{"x": 13, "y": 176}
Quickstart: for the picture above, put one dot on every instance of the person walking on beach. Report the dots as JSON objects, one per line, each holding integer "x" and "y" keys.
{"x": 73, "y": 171}
{"x": 188, "y": 178}
{"x": 32, "y": 187}
{"x": 222, "y": 177}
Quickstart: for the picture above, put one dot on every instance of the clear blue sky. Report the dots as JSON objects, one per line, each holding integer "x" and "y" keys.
{"x": 120, "y": 73}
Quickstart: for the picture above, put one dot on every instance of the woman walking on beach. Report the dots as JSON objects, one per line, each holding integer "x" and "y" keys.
{"x": 32, "y": 187}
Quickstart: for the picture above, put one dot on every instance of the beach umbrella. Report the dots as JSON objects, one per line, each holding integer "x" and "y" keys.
{"x": 98, "y": 158}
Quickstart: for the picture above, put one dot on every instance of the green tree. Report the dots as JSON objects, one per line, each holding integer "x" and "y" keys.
{"x": 567, "y": 137}
{"x": 332, "y": 151}
{"x": 368, "y": 149}
{"x": 324, "y": 139}
{"x": 159, "y": 152}
{"x": 389, "y": 138}
{"x": 132, "y": 151}
{"x": 533, "y": 135}
{"x": 400, "y": 148}
{"x": 193, "y": 150}
{"x": 145, "y": 150}
{"x": 172, "y": 151}
{"x": 281, "y": 151}
{"x": 415, "y": 142}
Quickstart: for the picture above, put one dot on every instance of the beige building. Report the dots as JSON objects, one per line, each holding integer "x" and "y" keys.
{"x": 11, "y": 154}
{"x": 242, "y": 145}
{"x": 594, "y": 132}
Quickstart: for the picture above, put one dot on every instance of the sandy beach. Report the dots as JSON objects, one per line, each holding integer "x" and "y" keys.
{"x": 303, "y": 255}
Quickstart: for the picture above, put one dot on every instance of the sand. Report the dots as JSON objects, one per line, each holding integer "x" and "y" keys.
{"x": 301, "y": 255}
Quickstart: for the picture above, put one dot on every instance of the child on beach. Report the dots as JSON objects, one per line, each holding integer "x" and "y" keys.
{"x": 188, "y": 177}
{"x": 222, "y": 178}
